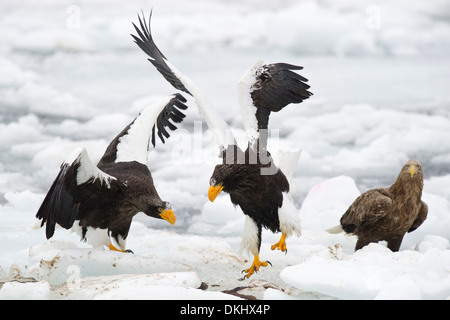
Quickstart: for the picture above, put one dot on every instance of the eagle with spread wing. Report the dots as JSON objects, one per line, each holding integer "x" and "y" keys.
{"x": 104, "y": 198}
{"x": 250, "y": 177}
{"x": 388, "y": 213}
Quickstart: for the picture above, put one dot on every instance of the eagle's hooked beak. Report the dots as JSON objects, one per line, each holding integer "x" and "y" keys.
{"x": 412, "y": 170}
{"x": 214, "y": 191}
{"x": 169, "y": 216}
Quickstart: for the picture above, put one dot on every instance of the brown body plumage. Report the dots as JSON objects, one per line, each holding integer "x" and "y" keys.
{"x": 388, "y": 213}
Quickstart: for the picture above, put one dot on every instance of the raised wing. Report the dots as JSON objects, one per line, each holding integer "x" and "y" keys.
{"x": 216, "y": 124}
{"x": 369, "y": 207}
{"x": 133, "y": 142}
{"x": 146, "y": 43}
{"x": 268, "y": 88}
{"x": 78, "y": 188}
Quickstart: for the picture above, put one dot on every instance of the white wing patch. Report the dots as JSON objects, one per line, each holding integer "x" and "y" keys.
{"x": 87, "y": 170}
{"x": 133, "y": 146}
{"x": 248, "y": 110}
{"x": 221, "y": 130}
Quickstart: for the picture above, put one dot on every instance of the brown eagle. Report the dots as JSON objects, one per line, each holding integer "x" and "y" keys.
{"x": 250, "y": 177}
{"x": 388, "y": 213}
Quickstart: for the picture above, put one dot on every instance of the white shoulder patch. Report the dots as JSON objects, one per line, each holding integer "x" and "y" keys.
{"x": 87, "y": 170}
{"x": 133, "y": 146}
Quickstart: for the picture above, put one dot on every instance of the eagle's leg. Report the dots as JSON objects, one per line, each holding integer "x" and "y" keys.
{"x": 394, "y": 243}
{"x": 280, "y": 245}
{"x": 117, "y": 243}
{"x": 255, "y": 266}
{"x": 111, "y": 247}
{"x": 364, "y": 241}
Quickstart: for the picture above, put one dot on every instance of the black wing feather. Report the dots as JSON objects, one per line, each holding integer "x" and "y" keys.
{"x": 170, "y": 112}
{"x": 277, "y": 86}
{"x": 66, "y": 201}
{"x": 145, "y": 41}
{"x": 58, "y": 205}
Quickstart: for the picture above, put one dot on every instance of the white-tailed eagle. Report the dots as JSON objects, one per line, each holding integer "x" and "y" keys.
{"x": 388, "y": 213}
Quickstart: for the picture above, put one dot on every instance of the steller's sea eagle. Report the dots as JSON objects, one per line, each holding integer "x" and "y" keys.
{"x": 250, "y": 177}
{"x": 108, "y": 195}
{"x": 388, "y": 213}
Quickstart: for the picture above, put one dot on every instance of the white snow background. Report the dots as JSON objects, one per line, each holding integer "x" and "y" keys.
{"x": 71, "y": 75}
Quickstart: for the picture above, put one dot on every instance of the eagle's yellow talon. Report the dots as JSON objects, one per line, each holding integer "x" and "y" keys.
{"x": 255, "y": 266}
{"x": 111, "y": 247}
{"x": 280, "y": 245}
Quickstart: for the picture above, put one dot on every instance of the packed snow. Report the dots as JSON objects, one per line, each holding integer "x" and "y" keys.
{"x": 71, "y": 76}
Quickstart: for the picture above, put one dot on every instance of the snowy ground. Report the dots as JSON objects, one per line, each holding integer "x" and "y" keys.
{"x": 70, "y": 75}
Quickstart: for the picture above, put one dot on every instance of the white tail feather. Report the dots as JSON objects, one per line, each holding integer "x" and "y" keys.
{"x": 287, "y": 162}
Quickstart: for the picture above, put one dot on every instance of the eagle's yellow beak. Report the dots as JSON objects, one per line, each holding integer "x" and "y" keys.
{"x": 214, "y": 191}
{"x": 412, "y": 170}
{"x": 169, "y": 216}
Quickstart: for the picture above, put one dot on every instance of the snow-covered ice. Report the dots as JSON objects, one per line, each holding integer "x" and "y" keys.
{"x": 70, "y": 76}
